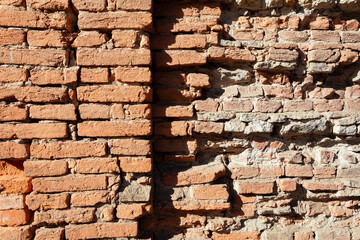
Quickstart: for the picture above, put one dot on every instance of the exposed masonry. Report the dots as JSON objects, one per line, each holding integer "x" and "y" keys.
{"x": 129, "y": 119}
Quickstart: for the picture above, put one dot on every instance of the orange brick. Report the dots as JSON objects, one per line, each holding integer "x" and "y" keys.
{"x": 35, "y": 19}
{"x": 255, "y": 187}
{"x": 48, "y": 5}
{"x": 97, "y": 165}
{"x": 12, "y": 113}
{"x": 114, "y": 94}
{"x": 11, "y": 37}
{"x": 210, "y": 192}
{"x": 209, "y": 127}
{"x": 172, "y": 58}
{"x": 178, "y": 41}
{"x": 94, "y": 111}
{"x": 197, "y": 80}
{"x": 53, "y": 76}
{"x": 125, "y": 38}
{"x": 33, "y": 130}
{"x": 133, "y": 211}
{"x": 101, "y": 230}
{"x": 69, "y": 184}
{"x": 140, "y": 111}
{"x": 117, "y": 111}
{"x": 135, "y": 147}
{"x": 49, "y": 233}
{"x": 90, "y": 39}
{"x": 92, "y": 5}
{"x": 53, "y": 112}
{"x": 236, "y": 236}
{"x": 82, "y": 199}
{"x": 14, "y": 217}
{"x": 9, "y": 75}
{"x": 144, "y": 5}
{"x": 94, "y": 75}
{"x": 172, "y": 111}
{"x": 136, "y": 164}
{"x": 67, "y": 149}
{"x": 298, "y": 171}
{"x": 175, "y": 145}
{"x": 12, "y": 2}
{"x": 243, "y": 172}
{"x": 37, "y": 57}
{"x": 288, "y": 185}
{"x": 45, "y": 168}
{"x": 129, "y": 75}
{"x": 47, "y": 38}
{"x": 171, "y": 129}
{"x": 115, "y": 20}
{"x": 15, "y": 184}
{"x": 47, "y": 201}
{"x": 74, "y": 215}
{"x": 34, "y": 94}
{"x": 199, "y": 206}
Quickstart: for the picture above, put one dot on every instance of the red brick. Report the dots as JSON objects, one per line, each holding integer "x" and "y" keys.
{"x": 172, "y": 129}
{"x": 94, "y": 111}
{"x": 298, "y": 171}
{"x": 298, "y": 106}
{"x": 67, "y": 149}
{"x": 136, "y": 147}
{"x": 144, "y": 5}
{"x": 272, "y": 78}
{"x": 348, "y": 57}
{"x": 195, "y": 175}
{"x": 139, "y": 111}
{"x": 34, "y": 94}
{"x": 49, "y": 233}
{"x": 230, "y": 54}
{"x": 329, "y": 56}
{"x": 242, "y": 172}
{"x": 82, "y": 199}
{"x": 74, "y": 215}
{"x": 237, "y": 106}
{"x": 94, "y": 75}
{"x": 267, "y": 106}
{"x": 37, "y": 57}
{"x": 12, "y": 113}
{"x": 320, "y": 23}
{"x": 133, "y": 75}
{"x": 187, "y": 9}
{"x": 186, "y": 25}
{"x": 175, "y": 145}
{"x": 91, "y": 5}
{"x": 328, "y": 105}
{"x": 47, "y": 201}
{"x": 13, "y": 150}
{"x": 11, "y": 201}
{"x": 114, "y": 57}
{"x": 15, "y": 184}
{"x": 172, "y": 58}
{"x": 97, "y": 165}
{"x": 89, "y": 39}
{"x": 278, "y": 92}
{"x": 209, "y": 127}
{"x": 198, "y": 80}
{"x": 199, "y": 206}
{"x": 14, "y": 217}
{"x": 12, "y": 2}
{"x": 248, "y": 35}
{"x": 101, "y": 230}
{"x": 326, "y": 36}
{"x": 236, "y": 236}
{"x": 210, "y": 192}
{"x": 48, "y": 5}
{"x": 172, "y": 111}
{"x": 115, "y": 128}
{"x": 271, "y": 171}
{"x": 324, "y": 172}
{"x": 283, "y": 55}
{"x": 136, "y": 164}
{"x": 114, "y": 93}
{"x": 33, "y": 130}
{"x": 339, "y": 211}
{"x": 10, "y": 75}
{"x": 319, "y": 186}
{"x": 11, "y": 37}
{"x": 125, "y": 38}
{"x": 45, "y": 168}
{"x": 169, "y": 77}
{"x": 53, "y": 112}
{"x": 206, "y": 106}
{"x": 288, "y": 185}
{"x": 293, "y": 36}
{"x": 53, "y": 76}
{"x": 162, "y": 42}
{"x": 69, "y": 183}
{"x": 35, "y": 19}
{"x": 133, "y": 211}
{"x": 178, "y": 95}
{"x": 18, "y": 233}
{"x": 47, "y": 38}
{"x": 350, "y": 37}
{"x": 115, "y": 20}
{"x": 255, "y": 187}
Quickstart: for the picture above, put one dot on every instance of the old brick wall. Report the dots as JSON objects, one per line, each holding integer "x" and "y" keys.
{"x": 133, "y": 119}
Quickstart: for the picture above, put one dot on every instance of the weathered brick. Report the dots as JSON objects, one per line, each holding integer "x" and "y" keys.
{"x": 255, "y": 187}
{"x": 12, "y": 113}
{"x": 319, "y": 23}
{"x": 348, "y": 172}
{"x": 319, "y": 186}
{"x": 53, "y": 76}
{"x": 199, "y": 174}
{"x": 89, "y": 39}
{"x": 33, "y": 130}
{"x": 35, "y": 19}
{"x": 12, "y": 2}
{"x": 210, "y": 192}
{"x": 74, "y": 215}
{"x": 48, "y": 5}
{"x": 115, "y": 128}
{"x": 34, "y": 94}
{"x": 101, "y": 230}
{"x": 117, "y": 111}
{"x": 298, "y": 171}
{"x": 237, "y": 106}
{"x": 114, "y": 94}
{"x": 133, "y": 211}
{"x": 11, "y": 74}
{"x": 114, "y": 57}
{"x": 329, "y": 105}
{"x": 209, "y": 127}
{"x": 135, "y": 164}
{"x": 94, "y": 111}
{"x": 350, "y": 37}
{"x": 288, "y": 185}
{"x": 92, "y": 5}
{"x": 133, "y": 75}
{"x": 327, "y": 36}
{"x": 298, "y": 106}
{"x": 49, "y": 233}
{"x": 139, "y": 111}
{"x": 115, "y": 20}
{"x": 144, "y": 5}
{"x": 271, "y": 171}
{"x": 236, "y": 236}
{"x": 47, "y": 38}
{"x": 324, "y": 172}
{"x": 293, "y": 36}
{"x": 136, "y": 147}
{"x": 11, "y": 37}
{"x": 171, "y": 129}
{"x": 37, "y": 57}
{"x": 18, "y": 233}
{"x": 94, "y": 75}
{"x": 172, "y": 58}
{"x": 67, "y": 149}
{"x": 267, "y": 106}
{"x": 199, "y": 206}
{"x": 125, "y": 38}
{"x": 45, "y": 168}
{"x": 328, "y": 56}
{"x": 53, "y": 112}
{"x": 11, "y": 201}
{"x": 248, "y": 35}
{"x": 47, "y": 201}
{"x": 97, "y": 165}
{"x": 230, "y": 54}
{"x": 283, "y": 55}
{"x": 14, "y": 217}
{"x": 198, "y": 80}
{"x": 82, "y": 199}
{"x": 172, "y": 111}
{"x": 163, "y": 42}
{"x": 69, "y": 183}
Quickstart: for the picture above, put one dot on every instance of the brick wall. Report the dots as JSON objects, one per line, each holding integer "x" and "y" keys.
{"x": 135, "y": 119}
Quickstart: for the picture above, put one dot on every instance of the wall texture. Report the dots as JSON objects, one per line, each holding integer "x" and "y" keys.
{"x": 133, "y": 119}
